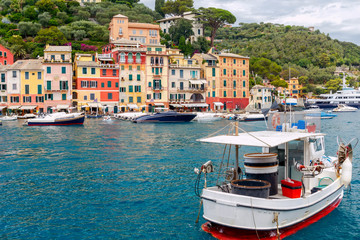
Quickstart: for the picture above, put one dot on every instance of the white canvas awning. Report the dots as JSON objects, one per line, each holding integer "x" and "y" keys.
{"x": 198, "y": 81}
{"x": 2, "y": 107}
{"x": 196, "y": 105}
{"x": 158, "y": 104}
{"x": 30, "y": 107}
{"x": 219, "y": 104}
{"x": 132, "y": 106}
{"x": 176, "y": 105}
{"x": 62, "y": 106}
{"x": 94, "y": 104}
{"x": 259, "y": 139}
{"x": 14, "y": 107}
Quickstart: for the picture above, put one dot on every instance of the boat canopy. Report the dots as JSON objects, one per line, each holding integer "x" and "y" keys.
{"x": 260, "y": 139}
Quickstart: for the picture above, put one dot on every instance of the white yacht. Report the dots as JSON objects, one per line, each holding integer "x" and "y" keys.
{"x": 288, "y": 184}
{"x": 344, "y": 108}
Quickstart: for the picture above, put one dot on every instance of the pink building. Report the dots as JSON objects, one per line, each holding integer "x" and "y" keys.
{"x": 6, "y": 57}
{"x": 145, "y": 33}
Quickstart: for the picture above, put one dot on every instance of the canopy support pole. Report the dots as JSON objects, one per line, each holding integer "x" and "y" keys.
{"x": 237, "y": 151}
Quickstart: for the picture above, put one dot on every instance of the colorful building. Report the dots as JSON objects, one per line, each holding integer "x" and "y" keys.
{"x": 157, "y": 90}
{"x": 260, "y": 97}
{"x": 294, "y": 88}
{"x": 6, "y": 57}
{"x": 58, "y": 72}
{"x": 13, "y": 80}
{"x": 3, "y": 89}
{"x": 145, "y": 33}
{"x": 186, "y": 89}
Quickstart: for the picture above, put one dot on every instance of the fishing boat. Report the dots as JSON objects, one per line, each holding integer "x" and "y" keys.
{"x": 169, "y": 116}
{"x": 9, "y": 118}
{"x": 57, "y": 119}
{"x": 285, "y": 186}
{"x": 344, "y": 108}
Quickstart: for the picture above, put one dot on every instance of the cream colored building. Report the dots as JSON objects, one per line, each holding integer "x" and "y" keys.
{"x": 260, "y": 97}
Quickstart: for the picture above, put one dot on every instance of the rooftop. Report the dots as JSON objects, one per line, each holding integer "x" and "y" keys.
{"x": 58, "y": 49}
{"x": 125, "y": 42}
{"x": 87, "y": 64}
{"x": 231, "y": 55}
{"x": 143, "y": 25}
{"x": 32, "y": 64}
{"x": 120, "y": 16}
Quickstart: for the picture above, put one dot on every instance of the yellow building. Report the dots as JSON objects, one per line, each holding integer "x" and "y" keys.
{"x": 294, "y": 88}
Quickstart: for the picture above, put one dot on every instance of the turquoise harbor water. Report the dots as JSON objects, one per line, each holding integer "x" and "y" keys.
{"x": 119, "y": 180}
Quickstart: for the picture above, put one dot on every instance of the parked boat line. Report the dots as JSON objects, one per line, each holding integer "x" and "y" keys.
{"x": 57, "y": 119}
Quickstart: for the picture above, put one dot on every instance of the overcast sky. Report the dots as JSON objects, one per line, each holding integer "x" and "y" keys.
{"x": 339, "y": 19}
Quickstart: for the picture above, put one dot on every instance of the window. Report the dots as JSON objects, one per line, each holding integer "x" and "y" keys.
{"x": 173, "y": 84}
{"x": 152, "y": 61}
{"x": 130, "y": 67}
{"x": 173, "y": 72}
{"x": 213, "y": 93}
{"x": 158, "y": 49}
{"x": 3, "y": 77}
{"x": 39, "y": 75}
{"x": 122, "y": 57}
{"x": 213, "y": 83}
{"x": 130, "y": 77}
{"x": 193, "y": 74}
{"x": 63, "y": 57}
{"x": 181, "y": 73}
{"x": 116, "y": 84}
{"x": 102, "y": 85}
{"x": 138, "y": 68}
{"x": 52, "y": 57}
{"x": 93, "y": 71}
{"x": 64, "y": 85}
{"x": 131, "y": 87}
{"x": 138, "y": 99}
{"x": 27, "y": 89}
{"x": 181, "y": 86}
{"x": 134, "y": 31}
{"x": 138, "y": 77}
{"x": 199, "y": 31}
{"x": 224, "y": 60}
{"x": 39, "y": 89}
{"x": 148, "y": 96}
{"x": 14, "y": 87}
{"x": 138, "y": 88}
{"x": 149, "y": 49}
{"x": 84, "y": 84}
{"x": 244, "y": 73}
{"x": 14, "y": 74}
{"x": 5, "y": 53}
{"x": 149, "y": 84}
{"x": 109, "y": 95}
{"x": 26, "y": 75}
{"x": 130, "y": 58}
{"x": 27, "y": 99}
{"x": 244, "y": 83}
{"x": 234, "y": 84}
{"x": 140, "y": 32}
{"x": 234, "y": 72}
{"x": 224, "y": 83}
{"x": 234, "y": 93}
{"x": 120, "y": 31}
{"x": 161, "y": 61}
{"x": 213, "y": 72}
{"x": 0, "y": 54}
{"x": 122, "y": 89}
{"x": 93, "y": 84}
{"x": 224, "y": 71}
{"x": 63, "y": 96}
{"x": 48, "y": 70}
{"x": 234, "y": 61}
{"x": 244, "y": 94}
{"x": 224, "y": 93}
{"x": 243, "y": 62}
{"x": 122, "y": 67}
{"x": 109, "y": 84}
{"x": 157, "y": 95}
{"x": 104, "y": 72}
{"x": 84, "y": 70}
{"x": 131, "y": 99}
{"x": 138, "y": 58}
{"x": 92, "y": 96}
{"x": 63, "y": 70}
{"x": 5, "y": 62}
{"x": 157, "y": 84}
{"x": 85, "y": 97}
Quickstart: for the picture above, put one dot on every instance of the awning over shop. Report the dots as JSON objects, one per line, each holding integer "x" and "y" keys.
{"x": 196, "y": 105}
{"x": 176, "y": 105}
{"x": 218, "y": 104}
{"x": 30, "y": 107}
{"x": 14, "y": 107}
{"x": 62, "y": 106}
{"x": 94, "y": 104}
{"x": 198, "y": 81}
{"x": 132, "y": 106}
{"x": 158, "y": 104}
{"x": 2, "y": 107}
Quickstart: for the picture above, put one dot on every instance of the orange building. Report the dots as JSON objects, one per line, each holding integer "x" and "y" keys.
{"x": 145, "y": 33}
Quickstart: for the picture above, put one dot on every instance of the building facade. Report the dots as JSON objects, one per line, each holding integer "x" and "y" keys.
{"x": 145, "y": 33}
{"x": 260, "y": 97}
{"x": 58, "y": 73}
{"x": 6, "y": 57}
{"x": 294, "y": 88}
{"x": 3, "y": 88}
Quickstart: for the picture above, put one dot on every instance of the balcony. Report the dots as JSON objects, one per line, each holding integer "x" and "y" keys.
{"x": 109, "y": 66}
{"x": 184, "y": 66}
{"x": 57, "y": 61}
{"x": 156, "y": 53}
{"x": 157, "y": 88}
{"x": 104, "y": 55}
{"x": 192, "y": 90}
{"x": 55, "y": 90}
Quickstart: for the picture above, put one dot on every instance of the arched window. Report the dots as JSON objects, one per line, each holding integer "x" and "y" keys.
{"x": 161, "y": 61}
{"x": 130, "y": 58}
{"x": 152, "y": 60}
{"x": 138, "y": 58}
{"x": 122, "y": 57}
{"x": 156, "y": 60}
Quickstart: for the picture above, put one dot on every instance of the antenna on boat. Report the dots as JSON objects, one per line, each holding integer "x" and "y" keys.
{"x": 237, "y": 151}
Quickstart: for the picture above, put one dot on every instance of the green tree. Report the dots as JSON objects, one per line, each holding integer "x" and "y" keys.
{"x": 201, "y": 45}
{"x": 181, "y": 28}
{"x": 159, "y": 4}
{"x": 279, "y": 83}
{"x": 47, "y": 6}
{"x": 28, "y": 28}
{"x": 177, "y": 7}
{"x": 44, "y": 19}
{"x": 215, "y": 18}
{"x": 31, "y": 12}
{"x": 52, "y": 36}
{"x": 333, "y": 85}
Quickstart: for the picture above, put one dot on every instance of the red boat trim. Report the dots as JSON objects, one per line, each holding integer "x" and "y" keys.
{"x": 228, "y": 233}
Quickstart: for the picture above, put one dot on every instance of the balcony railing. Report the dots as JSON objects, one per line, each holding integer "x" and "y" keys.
{"x": 104, "y": 55}
{"x": 157, "y": 88}
{"x": 184, "y": 66}
{"x": 55, "y": 90}
{"x": 57, "y": 61}
{"x": 193, "y": 90}
{"x": 109, "y": 66}
{"x": 184, "y": 101}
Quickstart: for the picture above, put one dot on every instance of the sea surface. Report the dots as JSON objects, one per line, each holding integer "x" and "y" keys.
{"x": 120, "y": 180}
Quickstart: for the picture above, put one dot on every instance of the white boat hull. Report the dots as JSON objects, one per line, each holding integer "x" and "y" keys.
{"x": 244, "y": 212}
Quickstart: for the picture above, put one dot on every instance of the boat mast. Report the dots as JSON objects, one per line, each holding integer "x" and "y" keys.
{"x": 237, "y": 151}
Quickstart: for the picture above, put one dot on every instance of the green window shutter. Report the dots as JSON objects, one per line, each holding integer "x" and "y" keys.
{"x": 109, "y": 84}
{"x": 138, "y": 77}
{"x": 66, "y": 85}
{"x": 224, "y": 93}
{"x": 153, "y": 95}
{"x": 224, "y": 71}
{"x": 160, "y": 95}
{"x": 160, "y": 83}
{"x": 234, "y": 72}
{"x": 60, "y": 85}
{"x": 45, "y": 96}
{"x": 234, "y": 84}
{"x": 131, "y": 88}
{"x": 213, "y": 94}
{"x": 51, "y": 96}
{"x": 48, "y": 85}
{"x": 102, "y": 85}
{"x": 244, "y": 73}
{"x": 224, "y": 83}
{"x": 149, "y": 84}
{"x": 116, "y": 84}
{"x": 130, "y": 77}
{"x": 39, "y": 89}
{"x": 63, "y": 96}
{"x": 213, "y": 72}
{"x": 234, "y": 93}
{"x": 139, "y": 88}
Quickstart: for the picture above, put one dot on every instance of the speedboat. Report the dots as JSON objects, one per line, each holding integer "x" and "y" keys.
{"x": 57, "y": 119}
{"x": 9, "y": 118}
{"x": 247, "y": 117}
{"x": 283, "y": 187}
{"x": 169, "y": 116}
{"x": 344, "y": 108}
{"x": 206, "y": 117}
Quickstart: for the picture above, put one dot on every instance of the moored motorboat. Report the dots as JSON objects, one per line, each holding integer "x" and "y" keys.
{"x": 344, "y": 108}
{"x": 247, "y": 117}
{"x": 169, "y": 116}
{"x": 9, "y": 118}
{"x": 207, "y": 117}
{"x": 304, "y": 185}
{"x": 57, "y": 119}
